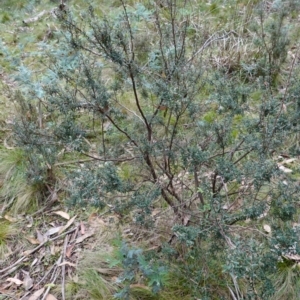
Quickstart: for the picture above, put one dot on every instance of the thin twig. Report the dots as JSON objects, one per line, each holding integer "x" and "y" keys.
{"x": 46, "y": 275}
{"x": 131, "y": 111}
{"x": 63, "y": 269}
{"x": 53, "y": 278}
{"x": 109, "y": 159}
{"x": 232, "y": 293}
{"x": 76, "y": 161}
{"x": 208, "y": 42}
{"x": 7, "y": 295}
{"x": 34, "y": 250}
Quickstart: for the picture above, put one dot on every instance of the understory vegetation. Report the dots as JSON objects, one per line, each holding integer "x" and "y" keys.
{"x": 170, "y": 129}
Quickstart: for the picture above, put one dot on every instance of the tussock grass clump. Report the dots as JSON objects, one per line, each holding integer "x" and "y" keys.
{"x": 7, "y": 231}
{"x": 16, "y": 193}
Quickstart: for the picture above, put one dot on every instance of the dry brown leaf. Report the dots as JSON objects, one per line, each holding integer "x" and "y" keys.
{"x": 75, "y": 278}
{"x": 292, "y": 257}
{"x": 5, "y": 286}
{"x": 54, "y": 197}
{"x": 85, "y": 236}
{"x": 31, "y": 222}
{"x": 52, "y": 249}
{"x": 26, "y": 253}
{"x": 186, "y": 219}
{"x": 284, "y": 108}
{"x": 289, "y": 161}
{"x": 155, "y": 212}
{"x": 267, "y": 228}
{"x": 10, "y": 218}
{"x": 36, "y": 295}
{"x": 15, "y": 280}
{"x": 62, "y": 214}
{"x": 142, "y": 286}
{"x": 54, "y": 230}
{"x": 67, "y": 263}
{"x": 108, "y": 272}
{"x": 96, "y": 221}
{"x": 34, "y": 262}
{"x": 27, "y": 282}
{"x": 50, "y": 297}
{"x": 92, "y": 217}
{"x": 33, "y": 240}
{"x": 82, "y": 228}
{"x": 69, "y": 250}
{"x": 70, "y": 222}
{"x": 40, "y": 237}
{"x": 3, "y": 291}
{"x": 285, "y": 170}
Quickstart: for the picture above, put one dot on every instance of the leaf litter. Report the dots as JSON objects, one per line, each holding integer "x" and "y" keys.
{"x": 49, "y": 256}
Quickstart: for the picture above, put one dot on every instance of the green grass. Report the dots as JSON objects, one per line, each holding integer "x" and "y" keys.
{"x": 287, "y": 280}
{"x": 15, "y": 191}
{"x": 7, "y": 230}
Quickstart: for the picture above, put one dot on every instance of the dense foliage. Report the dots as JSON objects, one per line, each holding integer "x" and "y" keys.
{"x": 162, "y": 114}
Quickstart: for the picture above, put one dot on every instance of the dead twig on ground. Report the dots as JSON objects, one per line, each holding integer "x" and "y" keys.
{"x": 63, "y": 268}
{"x": 29, "y": 252}
{"x": 53, "y": 277}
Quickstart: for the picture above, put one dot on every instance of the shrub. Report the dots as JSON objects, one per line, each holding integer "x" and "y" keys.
{"x": 200, "y": 139}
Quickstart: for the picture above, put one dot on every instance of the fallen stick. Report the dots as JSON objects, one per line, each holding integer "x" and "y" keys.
{"x": 63, "y": 268}
{"x": 36, "y": 18}
{"x": 53, "y": 277}
{"x": 29, "y": 252}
